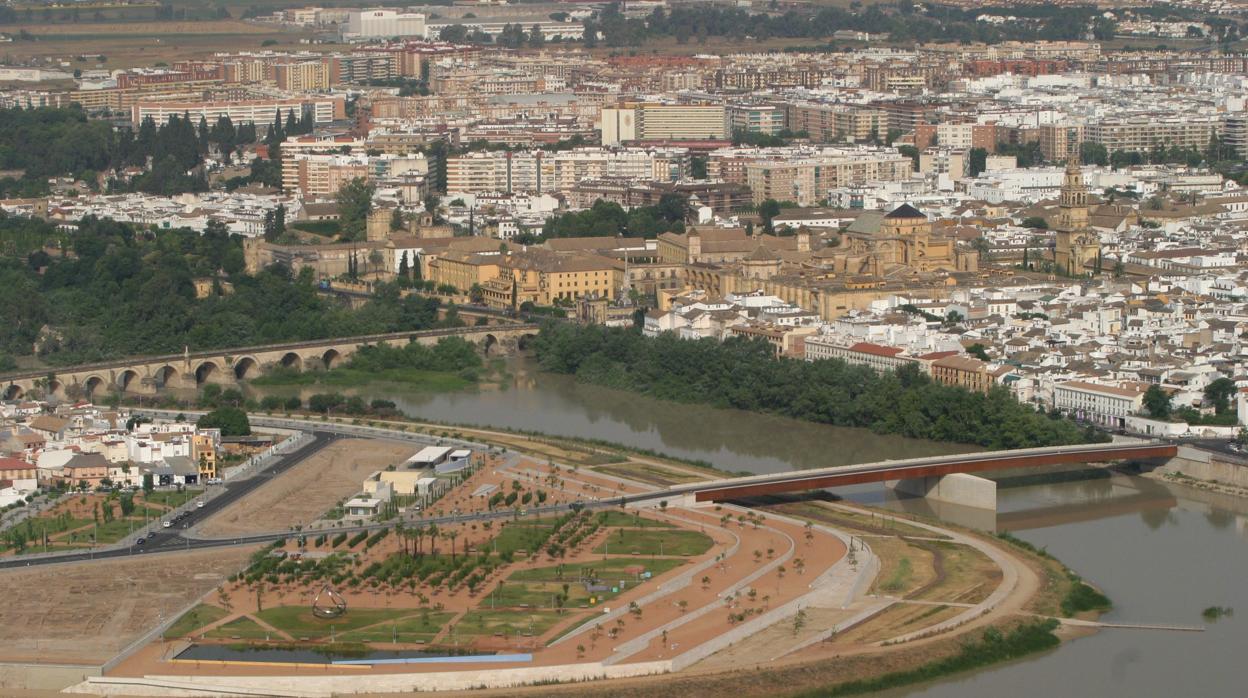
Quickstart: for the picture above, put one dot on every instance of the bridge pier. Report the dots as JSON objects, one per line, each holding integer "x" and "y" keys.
{"x": 956, "y": 488}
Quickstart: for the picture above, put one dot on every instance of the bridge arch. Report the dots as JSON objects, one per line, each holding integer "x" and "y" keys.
{"x": 331, "y": 358}
{"x": 205, "y": 372}
{"x": 56, "y": 389}
{"x": 13, "y": 391}
{"x": 91, "y": 385}
{"x": 525, "y": 341}
{"x": 246, "y": 367}
{"x": 487, "y": 343}
{"x": 166, "y": 376}
{"x": 126, "y": 380}
{"x": 291, "y": 360}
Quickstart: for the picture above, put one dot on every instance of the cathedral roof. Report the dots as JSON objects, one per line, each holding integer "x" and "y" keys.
{"x": 905, "y": 211}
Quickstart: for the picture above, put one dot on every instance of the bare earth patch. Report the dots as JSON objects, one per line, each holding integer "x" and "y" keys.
{"x": 307, "y": 490}
{"x": 84, "y": 613}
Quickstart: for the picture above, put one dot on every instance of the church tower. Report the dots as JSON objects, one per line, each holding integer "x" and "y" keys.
{"x": 1076, "y": 244}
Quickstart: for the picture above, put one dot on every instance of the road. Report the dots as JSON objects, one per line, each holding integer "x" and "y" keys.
{"x": 171, "y": 540}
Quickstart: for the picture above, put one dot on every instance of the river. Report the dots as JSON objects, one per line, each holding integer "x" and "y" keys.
{"x": 1162, "y": 552}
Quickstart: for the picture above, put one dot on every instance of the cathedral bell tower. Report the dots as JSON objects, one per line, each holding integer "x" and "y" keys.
{"x": 1076, "y": 245}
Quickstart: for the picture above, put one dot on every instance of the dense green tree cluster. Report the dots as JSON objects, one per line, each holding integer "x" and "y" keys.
{"x": 607, "y": 218}
{"x": 232, "y": 421}
{"x": 744, "y": 374}
{"x": 899, "y": 20}
{"x": 122, "y": 292}
{"x": 450, "y": 354}
{"x": 51, "y": 142}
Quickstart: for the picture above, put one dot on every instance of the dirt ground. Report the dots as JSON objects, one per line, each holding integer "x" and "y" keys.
{"x": 130, "y": 44}
{"x": 307, "y": 490}
{"x": 87, "y": 612}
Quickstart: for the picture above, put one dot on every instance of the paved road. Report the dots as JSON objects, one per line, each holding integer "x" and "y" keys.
{"x": 169, "y": 540}
{"x": 1222, "y": 447}
{"x": 172, "y": 539}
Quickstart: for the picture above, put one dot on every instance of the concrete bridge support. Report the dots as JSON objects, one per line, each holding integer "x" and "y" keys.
{"x": 956, "y": 488}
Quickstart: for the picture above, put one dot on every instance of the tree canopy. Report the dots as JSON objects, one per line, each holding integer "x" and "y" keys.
{"x": 744, "y": 374}
{"x": 124, "y": 292}
{"x": 232, "y": 421}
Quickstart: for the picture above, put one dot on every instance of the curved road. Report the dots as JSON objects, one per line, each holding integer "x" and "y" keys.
{"x": 175, "y": 540}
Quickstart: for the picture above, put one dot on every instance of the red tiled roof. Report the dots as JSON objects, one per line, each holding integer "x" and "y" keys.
{"x": 875, "y": 349}
{"x": 14, "y": 464}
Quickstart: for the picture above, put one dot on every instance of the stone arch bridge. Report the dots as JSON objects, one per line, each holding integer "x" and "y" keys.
{"x": 191, "y": 370}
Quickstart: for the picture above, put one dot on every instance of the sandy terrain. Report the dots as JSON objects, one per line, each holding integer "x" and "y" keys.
{"x": 307, "y": 490}
{"x": 86, "y": 612}
{"x": 131, "y": 44}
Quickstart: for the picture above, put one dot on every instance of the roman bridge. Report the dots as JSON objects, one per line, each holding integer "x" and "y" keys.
{"x": 191, "y": 370}
{"x": 945, "y": 478}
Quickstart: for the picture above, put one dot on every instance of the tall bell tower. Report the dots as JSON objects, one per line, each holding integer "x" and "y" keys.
{"x": 1076, "y": 244}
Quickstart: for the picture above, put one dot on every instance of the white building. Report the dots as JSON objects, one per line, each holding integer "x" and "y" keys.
{"x": 377, "y": 23}
{"x": 1106, "y": 405}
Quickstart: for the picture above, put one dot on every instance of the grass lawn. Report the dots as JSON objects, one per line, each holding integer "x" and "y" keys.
{"x": 52, "y": 525}
{"x": 324, "y": 228}
{"x": 485, "y": 622}
{"x": 194, "y": 619}
{"x": 298, "y": 621}
{"x": 535, "y": 594}
{"x": 117, "y": 529}
{"x": 625, "y": 520}
{"x": 648, "y": 541}
{"x": 536, "y": 588}
{"x": 422, "y": 627}
{"x": 172, "y": 498}
{"x": 525, "y": 534}
{"x": 242, "y": 628}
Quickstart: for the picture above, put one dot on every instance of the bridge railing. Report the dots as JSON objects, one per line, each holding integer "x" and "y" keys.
{"x": 285, "y": 346}
{"x": 916, "y": 462}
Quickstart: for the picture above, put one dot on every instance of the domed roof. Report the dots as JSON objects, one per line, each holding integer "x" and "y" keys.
{"x": 905, "y": 211}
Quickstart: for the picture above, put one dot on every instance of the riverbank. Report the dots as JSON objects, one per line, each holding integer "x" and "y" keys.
{"x": 932, "y": 592}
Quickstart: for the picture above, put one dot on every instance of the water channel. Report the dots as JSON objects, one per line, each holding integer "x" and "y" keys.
{"x": 1161, "y": 551}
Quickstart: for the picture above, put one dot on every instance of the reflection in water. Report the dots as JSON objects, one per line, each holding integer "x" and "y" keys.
{"x": 729, "y": 439}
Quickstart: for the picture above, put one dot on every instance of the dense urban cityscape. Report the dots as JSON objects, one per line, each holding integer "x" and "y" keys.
{"x": 664, "y": 347}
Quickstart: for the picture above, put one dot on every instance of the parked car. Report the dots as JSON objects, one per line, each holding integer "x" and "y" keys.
{"x": 199, "y": 504}
{"x": 140, "y": 541}
{"x": 167, "y": 524}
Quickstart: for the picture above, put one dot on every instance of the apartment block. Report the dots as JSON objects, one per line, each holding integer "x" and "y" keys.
{"x": 263, "y": 112}
{"x": 655, "y": 122}
{"x": 830, "y": 123}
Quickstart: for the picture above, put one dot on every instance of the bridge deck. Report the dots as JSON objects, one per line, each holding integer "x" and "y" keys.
{"x": 127, "y": 362}
{"x": 925, "y": 467}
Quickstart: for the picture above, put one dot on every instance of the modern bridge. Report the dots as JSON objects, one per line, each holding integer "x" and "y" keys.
{"x": 190, "y": 370}
{"x": 941, "y": 477}
{"x": 915, "y": 469}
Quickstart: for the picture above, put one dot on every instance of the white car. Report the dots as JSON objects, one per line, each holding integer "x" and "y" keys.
{"x": 199, "y": 504}
{"x": 167, "y": 524}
